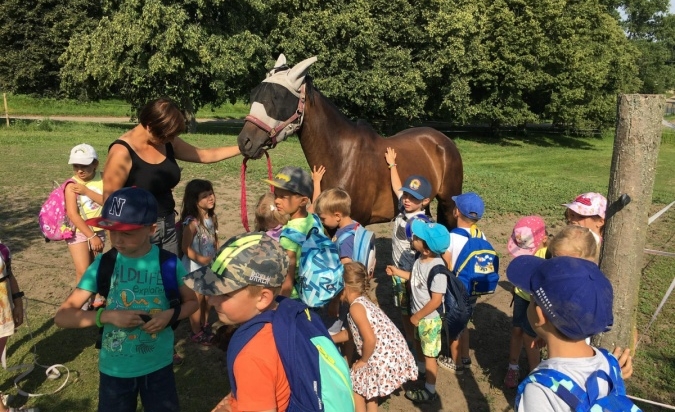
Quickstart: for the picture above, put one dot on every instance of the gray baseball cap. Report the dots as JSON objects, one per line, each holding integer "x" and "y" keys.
{"x": 294, "y": 179}
{"x": 247, "y": 259}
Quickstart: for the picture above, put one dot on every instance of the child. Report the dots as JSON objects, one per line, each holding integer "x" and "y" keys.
{"x": 575, "y": 241}
{"x": 385, "y": 361}
{"x": 430, "y": 240}
{"x": 469, "y": 209}
{"x": 528, "y": 238}
{"x": 414, "y": 197}
{"x": 83, "y": 201}
{"x": 267, "y": 218}
{"x": 588, "y": 210}
{"x": 137, "y": 341}
{"x": 199, "y": 244}
{"x": 565, "y": 290}
{"x": 243, "y": 290}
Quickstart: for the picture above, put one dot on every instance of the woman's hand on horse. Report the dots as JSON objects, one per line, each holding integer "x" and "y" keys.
{"x": 390, "y": 156}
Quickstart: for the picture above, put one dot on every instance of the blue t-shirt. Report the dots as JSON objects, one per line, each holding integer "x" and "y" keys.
{"x": 346, "y": 247}
{"x": 136, "y": 284}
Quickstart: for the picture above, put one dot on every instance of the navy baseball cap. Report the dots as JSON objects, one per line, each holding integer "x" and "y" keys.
{"x": 294, "y": 179}
{"x": 573, "y": 293}
{"x": 128, "y": 208}
{"x": 435, "y": 235}
{"x": 470, "y": 205}
{"x": 417, "y": 186}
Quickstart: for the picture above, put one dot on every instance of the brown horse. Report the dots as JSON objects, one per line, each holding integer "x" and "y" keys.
{"x": 353, "y": 153}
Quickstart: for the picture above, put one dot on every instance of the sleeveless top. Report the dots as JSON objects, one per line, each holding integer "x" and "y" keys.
{"x": 159, "y": 179}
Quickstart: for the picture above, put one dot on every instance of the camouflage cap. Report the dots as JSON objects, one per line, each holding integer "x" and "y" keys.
{"x": 247, "y": 259}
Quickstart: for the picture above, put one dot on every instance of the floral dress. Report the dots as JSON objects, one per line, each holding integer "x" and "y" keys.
{"x": 391, "y": 363}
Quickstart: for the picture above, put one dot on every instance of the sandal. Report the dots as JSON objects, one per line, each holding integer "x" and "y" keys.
{"x": 421, "y": 395}
{"x": 201, "y": 338}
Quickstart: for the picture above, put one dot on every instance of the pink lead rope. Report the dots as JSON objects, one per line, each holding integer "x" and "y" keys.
{"x": 244, "y": 210}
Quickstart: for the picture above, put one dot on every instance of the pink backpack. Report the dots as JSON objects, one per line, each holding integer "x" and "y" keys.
{"x": 54, "y": 222}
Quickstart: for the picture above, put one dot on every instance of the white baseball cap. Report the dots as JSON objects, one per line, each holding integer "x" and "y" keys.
{"x": 82, "y": 154}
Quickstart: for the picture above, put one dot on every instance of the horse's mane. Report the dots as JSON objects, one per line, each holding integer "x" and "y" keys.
{"x": 311, "y": 93}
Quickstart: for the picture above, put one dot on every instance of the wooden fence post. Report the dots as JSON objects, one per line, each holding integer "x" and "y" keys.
{"x": 636, "y": 149}
{"x": 4, "y": 97}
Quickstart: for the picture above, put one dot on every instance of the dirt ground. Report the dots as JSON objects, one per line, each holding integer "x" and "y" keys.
{"x": 480, "y": 390}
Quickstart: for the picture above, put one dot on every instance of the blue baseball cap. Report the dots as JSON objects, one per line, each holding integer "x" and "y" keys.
{"x": 470, "y": 205}
{"x": 435, "y": 235}
{"x": 128, "y": 208}
{"x": 417, "y": 186}
{"x": 573, "y": 293}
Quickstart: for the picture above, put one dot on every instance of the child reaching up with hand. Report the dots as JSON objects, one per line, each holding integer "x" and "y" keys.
{"x": 199, "y": 244}
{"x": 385, "y": 361}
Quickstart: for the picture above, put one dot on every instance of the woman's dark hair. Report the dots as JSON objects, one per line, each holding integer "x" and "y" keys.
{"x": 164, "y": 119}
{"x": 191, "y": 198}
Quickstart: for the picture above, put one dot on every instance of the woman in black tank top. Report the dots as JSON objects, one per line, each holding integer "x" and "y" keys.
{"x": 146, "y": 157}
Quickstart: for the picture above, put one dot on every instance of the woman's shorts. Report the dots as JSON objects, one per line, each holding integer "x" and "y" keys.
{"x": 80, "y": 237}
{"x": 520, "y": 315}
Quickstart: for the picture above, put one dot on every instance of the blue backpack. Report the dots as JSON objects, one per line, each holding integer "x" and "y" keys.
{"x": 320, "y": 270}
{"x": 477, "y": 265}
{"x": 317, "y": 374}
{"x": 455, "y": 310}
{"x": 364, "y": 246}
{"x": 578, "y": 399}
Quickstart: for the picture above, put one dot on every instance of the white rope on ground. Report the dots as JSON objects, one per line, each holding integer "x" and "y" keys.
{"x": 659, "y": 213}
{"x": 52, "y": 371}
{"x": 658, "y": 252}
{"x": 656, "y": 313}
{"x": 662, "y": 405}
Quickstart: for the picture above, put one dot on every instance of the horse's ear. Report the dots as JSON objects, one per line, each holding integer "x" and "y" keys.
{"x": 280, "y": 61}
{"x": 297, "y": 74}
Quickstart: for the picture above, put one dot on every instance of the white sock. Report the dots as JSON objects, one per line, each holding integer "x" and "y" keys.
{"x": 514, "y": 367}
{"x": 431, "y": 388}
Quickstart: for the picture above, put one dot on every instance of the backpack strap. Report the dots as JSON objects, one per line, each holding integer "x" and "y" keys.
{"x": 351, "y": 232}
{"x": 562, "y": 385}
{"x": 433, "y": 272}
{"x": 294, "y": 235}
{"x": 104, "y": 273}
{"x": 167, "y": 269}
{"x": 240, "y": 338}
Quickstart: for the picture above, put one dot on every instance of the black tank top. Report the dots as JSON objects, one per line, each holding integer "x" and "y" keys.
{"x": 159, "y": 179}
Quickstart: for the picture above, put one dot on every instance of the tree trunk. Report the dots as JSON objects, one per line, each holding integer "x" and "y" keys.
{"x": 636, "y": 149}
{"x": 189, "y": 112}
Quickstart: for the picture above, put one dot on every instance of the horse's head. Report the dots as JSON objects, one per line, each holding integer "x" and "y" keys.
{"x": 277, "y": 106}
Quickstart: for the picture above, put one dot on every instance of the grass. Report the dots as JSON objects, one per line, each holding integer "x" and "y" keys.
{"x": 515, "y": 175}
{"x": 27, "y": 105}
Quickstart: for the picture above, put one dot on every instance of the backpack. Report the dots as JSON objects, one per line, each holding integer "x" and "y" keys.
{"x": 477, "y": 265}
{"x": 53, "y": 219}
{"x": 364, "y": 246}
{"x": 317, "y": 374}
{"x": 578, "y": 399}
{"x": 320, "y": 270}
{"x": 455, "y": 310}
{"x": 167, "y": 269}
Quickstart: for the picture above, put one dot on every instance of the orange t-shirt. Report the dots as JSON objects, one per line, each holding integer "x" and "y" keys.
{"x": 260, "y": 375}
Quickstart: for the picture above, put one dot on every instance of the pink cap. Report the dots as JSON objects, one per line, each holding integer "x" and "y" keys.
{"x": 589, "y": 204}
{"x": 527, "y": 237}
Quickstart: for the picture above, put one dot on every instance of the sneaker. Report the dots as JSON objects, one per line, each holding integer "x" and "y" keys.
{"x": 447, "y": 363}
{"x": 201, "y": 338}
{"x": 421, "y": 395}
{"x": 466, "y": 362}
{"x": 511, "y": 379}
{"x": 177, "y": 359}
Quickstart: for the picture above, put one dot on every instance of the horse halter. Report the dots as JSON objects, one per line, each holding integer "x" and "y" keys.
{"x": 273, "y": 132}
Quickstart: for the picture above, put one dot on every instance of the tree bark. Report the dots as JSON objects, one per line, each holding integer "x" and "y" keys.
{"x": 636, "y": 149}
{"x": 189, "y": 112}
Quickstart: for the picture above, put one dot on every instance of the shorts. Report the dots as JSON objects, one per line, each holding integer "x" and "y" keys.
{"x": 81, "y": 238}
{"x": 429, "y": 334}
{"x": 402, "y": 296}
{"x": 520, "y": 315}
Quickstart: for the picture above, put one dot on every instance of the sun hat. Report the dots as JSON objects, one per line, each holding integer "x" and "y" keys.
{"x": 527, "y": 236}
{"x": 82, "y": 154}
{"x": 294, "y": 179}
{"x": 247, "y": 259}
{"x": 435, "y": 235}
{"x": 417, "y": 186}
{"x": 589, "y": 204}
{"x": 128, "y": 208}
{"x": 470, "y": 205}
{"x": 573, "y": 293}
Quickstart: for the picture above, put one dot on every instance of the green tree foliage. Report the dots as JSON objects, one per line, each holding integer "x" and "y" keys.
{"x": 194, "y": 51}
{"x": 33, "y": 34}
